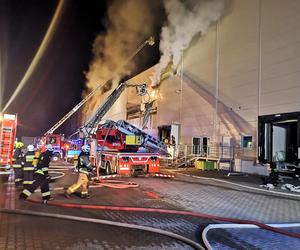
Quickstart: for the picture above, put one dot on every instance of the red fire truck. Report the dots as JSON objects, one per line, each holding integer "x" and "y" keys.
{"x": 113, "y": 151}
{"x": 119, "y": 147}
{"x": 8, "y": 129}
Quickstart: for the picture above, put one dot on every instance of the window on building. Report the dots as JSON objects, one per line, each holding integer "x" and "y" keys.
{"x": 247, "y": 141}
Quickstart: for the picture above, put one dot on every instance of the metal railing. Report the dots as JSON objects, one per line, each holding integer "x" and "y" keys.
{"x": 184, "y": 155}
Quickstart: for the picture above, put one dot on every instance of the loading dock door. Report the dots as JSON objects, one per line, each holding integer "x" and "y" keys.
{"x": 279, "y": 133}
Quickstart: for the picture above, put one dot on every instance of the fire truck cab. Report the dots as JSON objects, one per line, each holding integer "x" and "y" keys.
{"x": 119, "y": 147}
{"x": 8, "y": 129}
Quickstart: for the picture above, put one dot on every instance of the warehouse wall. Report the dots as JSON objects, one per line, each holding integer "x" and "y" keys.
{"x": 250, "y": 63}
{"x": 245, "y": 66}
{"x": 280, "y": 56}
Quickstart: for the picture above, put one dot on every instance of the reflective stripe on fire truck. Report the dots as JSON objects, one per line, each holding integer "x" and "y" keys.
{"x": 124, "y": 167}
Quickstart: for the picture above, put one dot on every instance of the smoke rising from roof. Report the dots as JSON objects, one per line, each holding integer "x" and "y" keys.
{"x": 185, "y": 20}
{"x": 128, "y": 24}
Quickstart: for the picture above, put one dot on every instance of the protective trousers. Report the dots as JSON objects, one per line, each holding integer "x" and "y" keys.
{"x": 82, "y": 181}
{"x": 28, "y": 176}
{"x": 18, "y": 169}
{"x": 40, "y": 180}
{"x": 28, "y": 169}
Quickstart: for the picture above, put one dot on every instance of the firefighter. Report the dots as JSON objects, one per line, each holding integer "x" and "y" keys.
{"x": 29, "y": 166}
{"x": 41, "y": 177}
{"x": 84, "y": 168}
{"x": 18, "y": 162}
{"x": 273, "y": 177}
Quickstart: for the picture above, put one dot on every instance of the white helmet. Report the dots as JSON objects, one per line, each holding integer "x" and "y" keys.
{"x": 85, "y": 148}
{"x": 30, "y": 147}
{"x": 49, "y": 147}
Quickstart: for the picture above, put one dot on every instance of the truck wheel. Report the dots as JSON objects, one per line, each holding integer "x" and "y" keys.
{"x": 107, "y": 168}
{"x": 56, "y": 157}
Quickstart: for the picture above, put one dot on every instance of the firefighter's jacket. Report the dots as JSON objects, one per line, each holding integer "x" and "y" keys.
{"x": 36, "y": 158}
{"x": 29, "y": 157}
{"x": 18, "y": 158}
{"x": 84, "y": 165}
{"x": 43, "y": 163}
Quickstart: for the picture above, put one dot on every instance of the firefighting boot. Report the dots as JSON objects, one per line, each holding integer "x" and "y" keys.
{"x": 46, "y": 200}
{"x": 67, "y": 195}
{"x": 85, "y": 196}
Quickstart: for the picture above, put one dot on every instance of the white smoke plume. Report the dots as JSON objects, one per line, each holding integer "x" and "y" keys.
{"x": 185, "y": 19}
{"x": 128, "y": 24}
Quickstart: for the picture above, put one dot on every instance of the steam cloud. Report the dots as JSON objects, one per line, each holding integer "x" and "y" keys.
{"x": 128, "y": 24}
{"x": 185, "y": 20}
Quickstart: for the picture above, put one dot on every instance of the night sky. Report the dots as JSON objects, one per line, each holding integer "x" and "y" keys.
{"x": 56, "y": 85}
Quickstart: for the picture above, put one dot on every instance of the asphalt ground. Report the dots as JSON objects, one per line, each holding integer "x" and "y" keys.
{"x": 181, "y": 193}
{"x": 251, "y": 180}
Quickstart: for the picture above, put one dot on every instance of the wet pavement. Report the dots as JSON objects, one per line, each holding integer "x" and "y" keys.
{"x": 250, "y": 180}
{"x": 181, "y": 193}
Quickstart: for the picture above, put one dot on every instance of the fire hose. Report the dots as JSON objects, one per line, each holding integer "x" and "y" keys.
{"x": 114, "y": 184}
{"x": 176, "y": 212}
{"x": 122, "y": 184}
{"x": 239, "y": 226}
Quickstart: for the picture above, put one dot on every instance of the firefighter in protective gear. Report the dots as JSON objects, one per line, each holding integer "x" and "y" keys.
{"x": 18, "y": 163}
{"x": 84, "y": 168}
{"x": 41, "y": 177}
{"x": 28, "y": 167}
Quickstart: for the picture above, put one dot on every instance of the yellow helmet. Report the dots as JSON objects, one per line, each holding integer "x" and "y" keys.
{"x": 19, "y": 145}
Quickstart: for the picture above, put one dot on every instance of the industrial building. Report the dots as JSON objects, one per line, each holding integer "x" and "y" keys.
{"x": 238, "y": 88}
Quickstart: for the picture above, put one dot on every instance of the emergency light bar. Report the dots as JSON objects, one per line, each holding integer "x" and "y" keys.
{"x": 9, "y": 117}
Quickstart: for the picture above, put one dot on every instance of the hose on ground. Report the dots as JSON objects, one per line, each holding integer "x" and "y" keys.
{"x": 225, "y": 226}
{"x": 60, "y": 175}
{"x": 190, "y": 242}
{"x": 114, "y": 184}
{"x": 177, "y": 212}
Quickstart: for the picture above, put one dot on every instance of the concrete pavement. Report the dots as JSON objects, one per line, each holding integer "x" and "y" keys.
{"x": 181, "y": 193}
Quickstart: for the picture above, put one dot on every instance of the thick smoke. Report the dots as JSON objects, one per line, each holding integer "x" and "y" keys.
{"x": 185, "y": 20}
{"x": 128, "y": 24}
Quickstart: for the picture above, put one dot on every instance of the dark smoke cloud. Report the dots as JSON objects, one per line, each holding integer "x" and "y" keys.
{"x": 128, "y": 24}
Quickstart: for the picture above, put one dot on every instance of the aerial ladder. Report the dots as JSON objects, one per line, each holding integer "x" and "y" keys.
{"x": 147, "y": 141}
{"x": 150, "y": 41}
{"x": 90, "y": 126}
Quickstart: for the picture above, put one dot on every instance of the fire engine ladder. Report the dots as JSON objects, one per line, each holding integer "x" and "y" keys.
{"x": 91, "y": 126}
{"x": 150, "y": 41}
{"x": 149, "y": 142}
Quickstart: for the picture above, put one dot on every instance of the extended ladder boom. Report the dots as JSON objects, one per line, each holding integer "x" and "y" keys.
{"x": 150, "y": 41}
{"x": 72, "y": 111}
{"x": 149, "y": 142}
{"x": 90, "y": 126}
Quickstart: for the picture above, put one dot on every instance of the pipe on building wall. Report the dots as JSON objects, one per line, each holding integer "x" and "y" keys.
{"x": 259, "y": 57}
{"x": 216, "y": 120}
{"x": 259, "y": 76}
{"x": 181, "y": 89}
